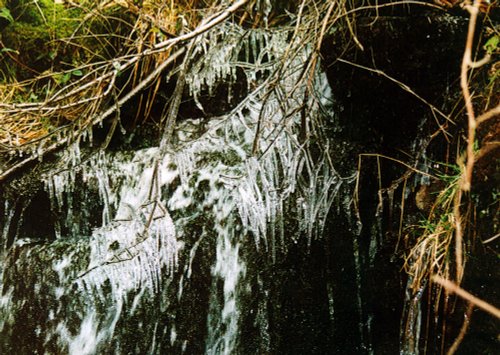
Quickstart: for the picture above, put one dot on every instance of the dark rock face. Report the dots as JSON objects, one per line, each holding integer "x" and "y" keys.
{"x": 419, "y": 51}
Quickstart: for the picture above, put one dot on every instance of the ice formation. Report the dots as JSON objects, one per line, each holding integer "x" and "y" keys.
{"x": 248, "y": 170}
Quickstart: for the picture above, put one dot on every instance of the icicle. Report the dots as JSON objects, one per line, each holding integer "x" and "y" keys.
{"x": 411, "y": 320}
{"x": 6, "y": 222}
{"x": 217, "y": 175}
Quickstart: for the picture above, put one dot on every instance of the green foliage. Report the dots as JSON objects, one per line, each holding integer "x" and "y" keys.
{"x": 5, "y": 13}
{"x": 451, "y": 182}
{"x": 43, "y": 36}
{"x": 33, "y": 34}
{"x": 63, "y": 78}
{"x": 5, "y": 50}
{"x": 491, "y": 45}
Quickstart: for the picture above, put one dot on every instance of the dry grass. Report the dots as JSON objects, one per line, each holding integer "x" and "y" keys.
{"x": 432, "y": 241}
{"x": 159, "y": 31}
{"x": 31, "y": 111}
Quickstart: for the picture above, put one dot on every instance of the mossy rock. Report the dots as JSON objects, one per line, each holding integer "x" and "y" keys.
{"x": 5, "y": 16}
{"x": 40, "y": 12}
{"x": 33, "y": 36}
{"x": 37, "y": 37}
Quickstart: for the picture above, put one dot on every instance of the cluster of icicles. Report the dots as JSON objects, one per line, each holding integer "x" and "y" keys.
{"x": 138, "y": 244}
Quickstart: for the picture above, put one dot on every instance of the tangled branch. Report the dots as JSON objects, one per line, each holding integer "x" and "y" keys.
{"x": 84, "y": 99}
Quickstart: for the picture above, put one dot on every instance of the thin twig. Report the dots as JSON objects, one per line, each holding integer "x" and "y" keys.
{"x": 175, "y": 103}
{"x": 400, "y": 84}
{"x": 464, "y": 83}
{"x": 489, "y": 240}
{"x": 453, "y": 288}
{"x": 488, "y": 115}
{"x": 465, "y": 184}
{"x": 463, "y": 330}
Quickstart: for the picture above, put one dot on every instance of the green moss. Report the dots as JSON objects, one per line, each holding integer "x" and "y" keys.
{"x": 40, "y": 12}
{"x": 34, "y": 35}
{"x": 37, "y": 38}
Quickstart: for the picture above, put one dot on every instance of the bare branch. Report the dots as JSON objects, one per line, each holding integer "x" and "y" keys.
{"x": 488, "y": 115}
{"x": 453, "y": 288}
{"x": 464, "y": 83}
{"x": 401, "y": 84}
{"x": 463, "y": 330}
